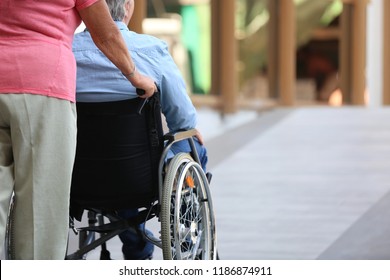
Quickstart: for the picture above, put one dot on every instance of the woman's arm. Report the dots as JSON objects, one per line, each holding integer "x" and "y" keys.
{"x": 108, "y": 39}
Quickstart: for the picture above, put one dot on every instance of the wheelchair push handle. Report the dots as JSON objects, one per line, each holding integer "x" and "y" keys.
{"x": 140, "y": 91}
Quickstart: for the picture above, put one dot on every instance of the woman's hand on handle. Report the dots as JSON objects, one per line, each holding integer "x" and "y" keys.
{"x": 143, "y": 82}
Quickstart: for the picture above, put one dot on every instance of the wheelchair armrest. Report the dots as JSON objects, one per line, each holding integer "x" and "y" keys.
{"x": 180, "y": 135}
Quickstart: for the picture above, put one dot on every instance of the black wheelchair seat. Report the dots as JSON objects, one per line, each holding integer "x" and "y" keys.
{"x": 116, "y": 168}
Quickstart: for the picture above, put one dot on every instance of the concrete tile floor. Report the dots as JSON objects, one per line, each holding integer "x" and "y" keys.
{"x": 304, "y": 183}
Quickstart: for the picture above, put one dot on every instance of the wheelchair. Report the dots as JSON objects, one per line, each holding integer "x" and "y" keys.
{"x": 175, "y": 191}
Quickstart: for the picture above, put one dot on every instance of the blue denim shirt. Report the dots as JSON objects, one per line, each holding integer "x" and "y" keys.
{"x": 98, "y": 80}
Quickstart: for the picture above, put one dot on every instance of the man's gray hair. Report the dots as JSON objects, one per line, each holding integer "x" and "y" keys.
{"x": 117, "y": 9}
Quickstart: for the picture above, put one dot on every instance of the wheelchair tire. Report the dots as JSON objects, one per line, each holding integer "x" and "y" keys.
{"x": 187, "y": 219}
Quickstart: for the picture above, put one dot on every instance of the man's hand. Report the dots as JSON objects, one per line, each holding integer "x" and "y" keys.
{"x": 199, "y": 137}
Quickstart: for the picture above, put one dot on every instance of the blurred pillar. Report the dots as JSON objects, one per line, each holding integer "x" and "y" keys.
{"x": 374, "y": 72}
{"x": 287, "y": 52}
{"x": 345, "y": 53}
{"x": 272, "y": 50}
{"x": 353, "y": 51}
{"x": 224, "y": 54}
{"x": 386, "y": 52}
{"x": 282, "y": 51}
{"x": 139, "y": 15}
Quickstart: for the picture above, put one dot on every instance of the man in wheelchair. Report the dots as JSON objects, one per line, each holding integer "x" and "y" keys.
{"x": 99, "y": 81}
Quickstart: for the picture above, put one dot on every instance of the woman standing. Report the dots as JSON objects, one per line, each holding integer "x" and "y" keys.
{"x": 38, "y": 117}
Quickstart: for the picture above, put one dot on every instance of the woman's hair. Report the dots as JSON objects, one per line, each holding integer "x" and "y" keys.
{"x": 117, "y": 9}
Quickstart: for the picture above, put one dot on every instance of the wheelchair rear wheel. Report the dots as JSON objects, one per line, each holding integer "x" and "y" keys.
{"x": 187, "y": 218}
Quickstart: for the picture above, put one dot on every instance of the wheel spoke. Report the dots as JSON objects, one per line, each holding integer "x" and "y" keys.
{"x": 191, "y": 227}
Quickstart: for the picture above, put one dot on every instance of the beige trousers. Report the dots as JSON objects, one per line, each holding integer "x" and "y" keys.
{"x": 37, "y": 148}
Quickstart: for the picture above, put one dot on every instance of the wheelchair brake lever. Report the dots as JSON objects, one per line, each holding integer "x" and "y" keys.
{"x": 141, "y": 92}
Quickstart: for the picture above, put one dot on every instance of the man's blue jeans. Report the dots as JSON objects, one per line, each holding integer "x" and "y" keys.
{"x": 184, "y": 146}
{"x": 134, "y": 247}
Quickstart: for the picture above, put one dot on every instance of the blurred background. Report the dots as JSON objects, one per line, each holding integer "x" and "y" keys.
{"x": 237, "y": 53}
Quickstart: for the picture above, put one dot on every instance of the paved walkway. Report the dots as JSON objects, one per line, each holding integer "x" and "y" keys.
{"x": 314, "y": 185}
{"x": 305, "y": 183}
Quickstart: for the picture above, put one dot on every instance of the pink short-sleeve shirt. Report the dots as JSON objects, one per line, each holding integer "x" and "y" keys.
{"x": 36, "y": 46}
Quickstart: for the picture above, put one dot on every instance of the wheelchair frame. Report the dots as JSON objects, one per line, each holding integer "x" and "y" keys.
{"x": 180, "y": 238}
